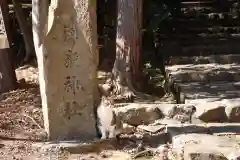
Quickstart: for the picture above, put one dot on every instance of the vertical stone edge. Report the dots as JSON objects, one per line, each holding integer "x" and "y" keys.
{"x": 96, "y": 97}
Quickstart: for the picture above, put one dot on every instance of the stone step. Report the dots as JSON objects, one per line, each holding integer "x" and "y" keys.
{"x": 198, "y": 92}
{"x": 218, "y": 129}
{"x": 221, "y": 59}
{"x": 225, "y": 110}
{"x": 214, "y": 102}
{"x": 204, "y": 72}
{"x": 204, "y": 147}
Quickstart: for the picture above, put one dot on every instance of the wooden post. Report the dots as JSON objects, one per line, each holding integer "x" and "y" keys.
{"x": 7, "y": 73}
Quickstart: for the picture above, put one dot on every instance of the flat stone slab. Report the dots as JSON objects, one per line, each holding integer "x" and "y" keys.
{"x": 204, "y": 147}
{"x": 204, "y": 72}
{"x": 136, "y": 114}
{"x": 77, "y": 150}
{"x": 78, "y": 146}
{"x": 221, "y": 59}
{"x": 152, "y": 128}
{"x": 215, "y": 101}
{"x": 204, "y": 128}
{"x": 223, "y": 128}
{"x": 198, "y": 92}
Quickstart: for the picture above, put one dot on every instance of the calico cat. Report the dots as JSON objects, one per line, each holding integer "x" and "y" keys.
{"x": 108, "y": 123}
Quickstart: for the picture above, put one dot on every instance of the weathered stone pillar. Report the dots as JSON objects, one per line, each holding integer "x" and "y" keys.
{"x": 7, "y": 73}
{"x": 67, "y": 69}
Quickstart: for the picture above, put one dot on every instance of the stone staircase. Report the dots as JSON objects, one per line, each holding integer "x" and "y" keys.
{"x": 156, "y": 130}
{"x": 211, "y": 83}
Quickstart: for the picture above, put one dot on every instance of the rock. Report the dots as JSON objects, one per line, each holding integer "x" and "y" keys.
{"x": 128, "y": 129}
{"x": 232, "y": 110}
{"x": 27, "y": 74}
{"x": 182, "y": 113}
{"x": 166, "y": 109}
{"x": 137, "y": 114}
{"x": 153, "y": 140}
{"x": 211, "y": 112}
{"x": 162, "y": 152}
{"x": 152, "y": 128}
{"x": 170, "y": 110}
{"x": 202, "y": 146}
{"x": 234, "y": 155}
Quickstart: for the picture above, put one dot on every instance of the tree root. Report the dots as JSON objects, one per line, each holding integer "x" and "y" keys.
{"x": 122, "y": 93}
{"x": 126, "y": 93}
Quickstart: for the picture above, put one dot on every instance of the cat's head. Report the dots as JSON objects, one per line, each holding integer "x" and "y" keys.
{"x": 107, "y": 101}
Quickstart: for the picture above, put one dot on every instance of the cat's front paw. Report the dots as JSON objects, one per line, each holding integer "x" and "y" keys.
{"x": 113, "y": 135}
{"x": 103, "y": 137}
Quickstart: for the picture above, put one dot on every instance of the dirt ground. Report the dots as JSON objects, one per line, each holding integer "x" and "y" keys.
{"x": 21, "y": 122}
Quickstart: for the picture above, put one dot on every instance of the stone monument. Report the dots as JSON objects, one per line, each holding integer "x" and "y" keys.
{"x": 67, "y": 60}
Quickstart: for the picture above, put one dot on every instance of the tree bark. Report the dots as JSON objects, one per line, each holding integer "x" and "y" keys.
{"x": 7, "y": 73}
{"x": 27, "y": 35}
{"x": 107, "y": 16}
{"x": 127, "y": 67}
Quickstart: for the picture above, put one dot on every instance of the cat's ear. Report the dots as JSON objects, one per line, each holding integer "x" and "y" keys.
{"x": 104, "y": 90}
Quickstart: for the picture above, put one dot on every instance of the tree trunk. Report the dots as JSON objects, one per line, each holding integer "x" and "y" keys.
{"x": 127, "y": 67}
{"x": 107, "y": 16}
{"x": 7, "y": 73}
{"x": 27, "y": 35}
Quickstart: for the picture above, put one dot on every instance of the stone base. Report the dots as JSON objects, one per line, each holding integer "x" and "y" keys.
{"x": 77, "y": 147}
